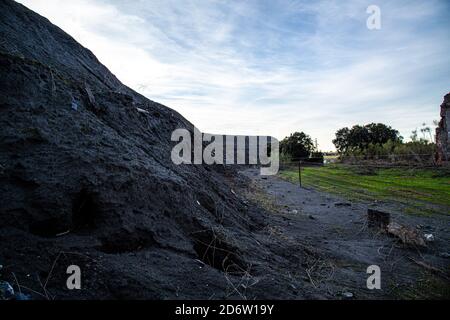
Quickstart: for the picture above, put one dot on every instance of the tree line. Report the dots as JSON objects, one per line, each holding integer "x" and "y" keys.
{"x": 370, "y": 140}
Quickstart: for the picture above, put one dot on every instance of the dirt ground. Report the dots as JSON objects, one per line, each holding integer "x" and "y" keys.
{"x": 338, "y": 232}
{"x": 297, "y": 244}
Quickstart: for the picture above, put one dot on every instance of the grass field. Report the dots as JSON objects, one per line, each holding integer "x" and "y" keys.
{"x": 419, "y": 191}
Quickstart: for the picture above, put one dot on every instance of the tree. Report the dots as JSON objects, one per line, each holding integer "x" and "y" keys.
{"x": 413, "y": 135}
{"x": 380, "y": 133}
{"x": 359, "y": 138}
{"x": 297, "y": 145}
{"x": 342, "y": 142}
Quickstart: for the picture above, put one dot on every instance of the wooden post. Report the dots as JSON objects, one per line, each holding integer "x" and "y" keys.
{"x": 300, "y": 173}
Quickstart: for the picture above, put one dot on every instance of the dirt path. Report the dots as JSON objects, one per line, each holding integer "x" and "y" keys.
{"x": 337, "y": 229}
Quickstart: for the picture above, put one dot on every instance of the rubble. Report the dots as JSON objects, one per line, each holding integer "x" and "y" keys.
{"x": 443, "y": 132}
{"x": 407, "y": 235}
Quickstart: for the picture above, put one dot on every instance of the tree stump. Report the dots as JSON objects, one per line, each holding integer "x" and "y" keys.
{"x": 378, "y": 219}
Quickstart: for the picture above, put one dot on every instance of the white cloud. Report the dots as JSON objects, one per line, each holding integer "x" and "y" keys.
{"x": 238, "y": 67}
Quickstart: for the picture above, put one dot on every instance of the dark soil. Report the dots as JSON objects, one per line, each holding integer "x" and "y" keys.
{"x": 338, "y": 232}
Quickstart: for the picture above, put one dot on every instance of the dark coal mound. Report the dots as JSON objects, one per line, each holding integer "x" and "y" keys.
{"x": 86, "y": 178}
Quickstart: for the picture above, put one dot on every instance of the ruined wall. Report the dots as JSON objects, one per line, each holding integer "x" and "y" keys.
{"x": 443, "y": 132}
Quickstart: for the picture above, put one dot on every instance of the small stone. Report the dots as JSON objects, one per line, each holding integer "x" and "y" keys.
{"x": 347, "y": 295}
{"x": 6, "y": 291}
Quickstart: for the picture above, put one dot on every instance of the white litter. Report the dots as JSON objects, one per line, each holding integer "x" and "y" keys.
{"x": 74, "y": 104}
{"x": 142, "y": 111}
{"x": 347, "y": 295}
{"x": 429, "y": 237}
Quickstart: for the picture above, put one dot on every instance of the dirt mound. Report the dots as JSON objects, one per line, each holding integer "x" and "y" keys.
{"x": 86, "y": 175}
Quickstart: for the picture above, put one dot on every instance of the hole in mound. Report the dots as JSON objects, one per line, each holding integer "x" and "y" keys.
{"x": 84, "y": 211}
{"x": 48, "y": 228}
{"x": 124, "y": 241}
{"x": 216, "y": 253}
{"x": 207, "y": 202}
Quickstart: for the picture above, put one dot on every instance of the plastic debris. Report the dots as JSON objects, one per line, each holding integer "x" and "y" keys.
{"x": 294, "y": 211}
{"x": 6, "y": 291}
{"x": 429, "y": 237}
{"x": 142, "y": 111}
{"x": 74, "y": 104}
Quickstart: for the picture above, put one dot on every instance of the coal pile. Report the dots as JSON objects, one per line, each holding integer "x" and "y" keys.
{"x": 86, "y": 178}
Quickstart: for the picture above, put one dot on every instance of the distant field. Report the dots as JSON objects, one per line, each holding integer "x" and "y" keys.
{"x": 420, "y": 191}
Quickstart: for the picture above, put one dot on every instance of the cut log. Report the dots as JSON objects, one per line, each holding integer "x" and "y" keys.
{"x": 378, "y": 219}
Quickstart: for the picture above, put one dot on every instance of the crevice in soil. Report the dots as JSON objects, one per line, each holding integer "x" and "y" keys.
{"x": 125, "y": 241}
{"x": 217, "y": 253}
{"x": 207, "y": 202}
{"x": 47, "y": 228}
{"x": 85, "y": 211}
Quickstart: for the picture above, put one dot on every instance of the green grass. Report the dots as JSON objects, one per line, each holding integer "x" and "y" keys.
{"x": 420, "y": 191}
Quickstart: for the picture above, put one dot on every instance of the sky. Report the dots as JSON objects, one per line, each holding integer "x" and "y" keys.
{"x": 272, "y": 67}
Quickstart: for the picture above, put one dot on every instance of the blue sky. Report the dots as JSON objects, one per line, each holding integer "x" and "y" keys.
{"x": 272, "y": 67}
